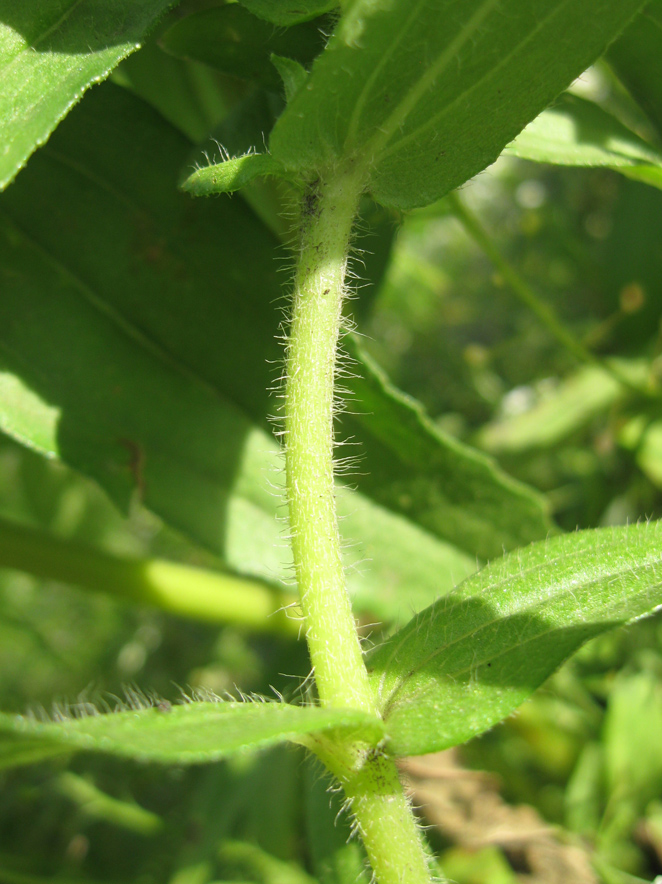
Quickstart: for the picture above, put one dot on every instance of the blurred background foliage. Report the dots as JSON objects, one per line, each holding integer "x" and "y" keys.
{"x": 569, "y": 789}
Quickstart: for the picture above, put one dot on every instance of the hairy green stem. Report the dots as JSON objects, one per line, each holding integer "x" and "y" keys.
{"x": 370, "y": 779}
{"x": 178, "y": 589}
{"x": 327, "y": 216}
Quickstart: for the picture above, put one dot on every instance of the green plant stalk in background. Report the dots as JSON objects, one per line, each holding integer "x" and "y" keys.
{"x": 531, "y": 300}
{"x": 182, "y": 590}
{"x": 369, "y": 779}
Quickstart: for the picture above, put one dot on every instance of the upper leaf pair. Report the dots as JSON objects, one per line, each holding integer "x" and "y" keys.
{"x": 423, "y": 96}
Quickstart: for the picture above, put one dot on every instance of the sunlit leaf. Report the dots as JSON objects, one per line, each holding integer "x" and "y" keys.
{"x": 193, "y": 733}
{"x": 576, "y": 132}
{"x": 424, "y": 95}
{"x": 561, "y": 411}
{"x": 469, "y": 660}
{"x": 50, "y": 53}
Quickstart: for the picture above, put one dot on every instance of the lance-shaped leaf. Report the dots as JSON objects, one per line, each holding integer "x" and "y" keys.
{"x": 50, "y": 53}
{"x": 455, "y": 492}
{"x": 426, "y": 94}
{"x": 565, "y": 410}
{"x": 469, "y": 660}
{"x": 576, "y": 132}
{"x": 194, "y": 733}
{"x": 148, "y": 371}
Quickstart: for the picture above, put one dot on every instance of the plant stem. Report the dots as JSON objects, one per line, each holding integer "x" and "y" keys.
{"x": 530, "y": 299}
{"x": 370, "y": 779}
{"x": 386, "y": 824}
{"x": 327, "y": 215}
{"x": 189, "y": 592}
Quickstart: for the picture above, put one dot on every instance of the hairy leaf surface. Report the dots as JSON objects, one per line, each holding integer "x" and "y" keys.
{"x": 426, "y": 94}
{"x": 470, "y": 659}
{"x": 194, "y": 733}
{"x": 50, "y": 53}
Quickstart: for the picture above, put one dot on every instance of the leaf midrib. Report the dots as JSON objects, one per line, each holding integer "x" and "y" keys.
{"x": 435, "y": 118}
{"x": 400, "y": 113}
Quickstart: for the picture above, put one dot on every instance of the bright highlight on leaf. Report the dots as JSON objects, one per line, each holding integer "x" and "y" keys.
{"x": 195, "y": 733}
{"x": 473, "y": 657}
{"x": 49, "y": 56}
{"x": 576, "y": 132}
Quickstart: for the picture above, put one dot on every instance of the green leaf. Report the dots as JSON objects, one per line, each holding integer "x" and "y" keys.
{"x": 449, "y": 489}
{"x": 50, "y": 53}
{"x": 293, "y": 74}
{"x": 576, "y": 132}
{"x": 231, "y": 175}
{"x": 288, "y": 12}
{"x": 235, "y": 42}
{"x": 425, "y": 95}
{"x": 194, "y": 733}
{"x": 637, "y": 59}
{"x": 469, "y": 660}
{"x": 244, "y": 131}
{"x": 191, "y": 96}
{"x": 161, "y": 411}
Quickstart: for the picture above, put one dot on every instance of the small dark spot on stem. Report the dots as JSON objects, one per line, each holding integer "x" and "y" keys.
{"x": 164, "y": 706}
{"x": 310, "y": 207}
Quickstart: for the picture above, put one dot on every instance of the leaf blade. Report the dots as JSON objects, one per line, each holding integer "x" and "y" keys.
{"x": 577, "y": 132}
{"x": 51, "y": 56}
{"x": 193, "y": 733}
{"x": 470, "y": 659}
{"x": 429, "y": 94}
{"x": 635, "y": 57}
